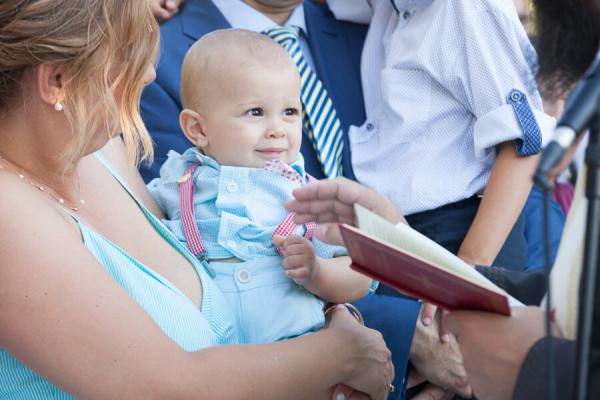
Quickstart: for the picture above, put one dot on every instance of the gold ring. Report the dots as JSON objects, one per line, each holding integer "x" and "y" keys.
{"x": 391, "y": 388}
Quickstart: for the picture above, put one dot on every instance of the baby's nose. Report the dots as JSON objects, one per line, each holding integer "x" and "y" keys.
{"x": 275, "y": 131}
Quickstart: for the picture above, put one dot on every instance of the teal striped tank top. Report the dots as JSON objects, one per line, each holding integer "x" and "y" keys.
{"x": 178, "y": 317}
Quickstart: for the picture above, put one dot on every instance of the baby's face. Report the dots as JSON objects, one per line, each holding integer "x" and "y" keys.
{"x": 254, "y": 117}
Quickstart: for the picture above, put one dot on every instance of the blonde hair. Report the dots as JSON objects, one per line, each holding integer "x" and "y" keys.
{"x": 102, "y": 44}
{"x": 221, "y": 50}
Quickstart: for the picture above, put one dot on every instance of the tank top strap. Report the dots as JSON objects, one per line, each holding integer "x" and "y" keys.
{"x": 156, "y": 223}
{"x": 115, "y": 174}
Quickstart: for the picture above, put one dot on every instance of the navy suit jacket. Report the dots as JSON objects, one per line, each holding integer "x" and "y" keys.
{"x": 336, "y": 49}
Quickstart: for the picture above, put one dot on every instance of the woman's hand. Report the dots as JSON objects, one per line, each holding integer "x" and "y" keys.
{"x": 332, "y": 201}
{"x": 371, "y": 370}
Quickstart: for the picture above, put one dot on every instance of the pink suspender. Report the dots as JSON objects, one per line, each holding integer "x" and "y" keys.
{"x": 287, "y": 227}
{"x": 190, "y": 229}
{"x": 186, "y": 206}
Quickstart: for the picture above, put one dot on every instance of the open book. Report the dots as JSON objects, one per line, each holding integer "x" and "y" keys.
{"x": 413, "y": 264}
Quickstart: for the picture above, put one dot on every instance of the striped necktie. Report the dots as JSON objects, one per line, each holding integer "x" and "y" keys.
{"x": 320, "y": 118}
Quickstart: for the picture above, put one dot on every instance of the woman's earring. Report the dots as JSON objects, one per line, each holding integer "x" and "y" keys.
{"x": 58, "y": 106}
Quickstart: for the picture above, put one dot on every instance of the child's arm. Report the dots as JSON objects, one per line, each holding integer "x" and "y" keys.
{"x": 331, "y": 279}
{"x": 503, "y": 200}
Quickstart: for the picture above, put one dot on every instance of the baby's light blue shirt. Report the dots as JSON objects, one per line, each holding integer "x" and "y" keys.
{"x": 236, "y": 208}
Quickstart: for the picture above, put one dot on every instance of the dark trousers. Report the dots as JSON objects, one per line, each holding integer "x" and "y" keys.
{"x": 448, "y": 225}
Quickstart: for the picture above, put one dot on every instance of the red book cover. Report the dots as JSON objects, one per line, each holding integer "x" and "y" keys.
{"x": 416, "y": 277}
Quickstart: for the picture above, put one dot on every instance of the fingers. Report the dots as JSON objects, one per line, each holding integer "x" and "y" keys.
{"x": 298, "y": 242}
{"x": 172, "y": 6}
{"x": 294, "y": 245}
{"x": 326, "y": 201}
{"x": 341, "y": 313}
{"x": 342, "y": 392}
{"x": 322, "y": 211}
{"x": 414, "y": 379}
{"x": 299, "y": 262}
{"x": 457, "y": 379}
{"x": 358, "y": 396}
{"x": 333, "y": 201}
{"x": 329, "y": 233}
{"x": 159, "y": 12}
{"x": 165, "y": 9}
{"x": 444, "y": 332}
{"x": 427, "y": 313}
{"x": 297, "y": 250}
{"x": 432, "y": 392}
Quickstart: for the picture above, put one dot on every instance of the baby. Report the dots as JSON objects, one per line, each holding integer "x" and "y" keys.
{"x": 224, "y": 197}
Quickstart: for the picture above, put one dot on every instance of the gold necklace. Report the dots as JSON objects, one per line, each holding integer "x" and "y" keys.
{"x": 44, "y": 188}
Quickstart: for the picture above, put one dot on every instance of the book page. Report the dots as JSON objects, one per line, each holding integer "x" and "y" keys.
{"x": 409, "y": 240}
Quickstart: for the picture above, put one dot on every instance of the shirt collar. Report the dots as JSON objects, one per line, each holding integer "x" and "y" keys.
{"x": 194, "y": 155}
{"x": 242, "y": 16}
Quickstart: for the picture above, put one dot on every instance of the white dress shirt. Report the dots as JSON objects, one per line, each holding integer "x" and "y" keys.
{"x": 241, "y": 16}
{"x": 437, "y": 78}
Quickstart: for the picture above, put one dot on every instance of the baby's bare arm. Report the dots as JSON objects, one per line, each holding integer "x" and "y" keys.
{"x": 331, "y": 279}
{"x": 337, "y": 282}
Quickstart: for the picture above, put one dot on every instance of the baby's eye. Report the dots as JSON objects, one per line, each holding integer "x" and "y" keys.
{"x": 288, "y": 112}
{"x": 255, "y": 112}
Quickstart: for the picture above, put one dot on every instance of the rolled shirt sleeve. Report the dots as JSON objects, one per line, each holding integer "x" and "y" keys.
{"x": 497, "y": 81}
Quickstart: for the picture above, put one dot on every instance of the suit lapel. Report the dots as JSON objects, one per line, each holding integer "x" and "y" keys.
{"x": 202, "y": 17}
{"x": 333, "y": 60}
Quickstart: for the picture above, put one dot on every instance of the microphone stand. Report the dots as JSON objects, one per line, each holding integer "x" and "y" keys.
{"x": 591, "y": 260}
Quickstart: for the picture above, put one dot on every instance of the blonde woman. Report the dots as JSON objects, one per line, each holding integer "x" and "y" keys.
{"x": 97, "y": 300}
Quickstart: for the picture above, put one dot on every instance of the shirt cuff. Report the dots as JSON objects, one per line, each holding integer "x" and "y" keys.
{"x": 511, "y": 122}
{"x": 374, "y": 286}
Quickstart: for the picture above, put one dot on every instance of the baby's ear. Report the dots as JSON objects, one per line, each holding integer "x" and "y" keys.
{"x": 193, "y": 127}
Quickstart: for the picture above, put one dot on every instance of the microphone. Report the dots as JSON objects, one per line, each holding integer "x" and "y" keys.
{"x": 581, "y": 108}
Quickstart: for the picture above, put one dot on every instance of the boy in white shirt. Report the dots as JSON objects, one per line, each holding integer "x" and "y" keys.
{"x": 453, "y": 119}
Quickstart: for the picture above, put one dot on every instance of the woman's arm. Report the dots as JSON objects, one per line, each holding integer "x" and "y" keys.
{"x": 65, "y": 318}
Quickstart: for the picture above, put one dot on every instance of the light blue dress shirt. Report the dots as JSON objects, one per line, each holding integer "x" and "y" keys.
{"x": 236, "y": 208}
{"x": 445, "y": 82}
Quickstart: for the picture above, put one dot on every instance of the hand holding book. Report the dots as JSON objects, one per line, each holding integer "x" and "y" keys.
{"x": 395, "y": 254}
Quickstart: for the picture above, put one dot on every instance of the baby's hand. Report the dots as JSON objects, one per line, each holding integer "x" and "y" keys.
{"x": 300, "y": 262}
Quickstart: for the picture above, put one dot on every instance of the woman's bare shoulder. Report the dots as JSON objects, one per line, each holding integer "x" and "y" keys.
{"x": 26, "y": 216}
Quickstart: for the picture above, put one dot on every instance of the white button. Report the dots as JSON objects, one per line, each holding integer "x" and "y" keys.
{"x": 232, "y": 187}
{"x": 231, "y": 244}
{"x": 243, "y": 276}
{"x": 370, "y": 126}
